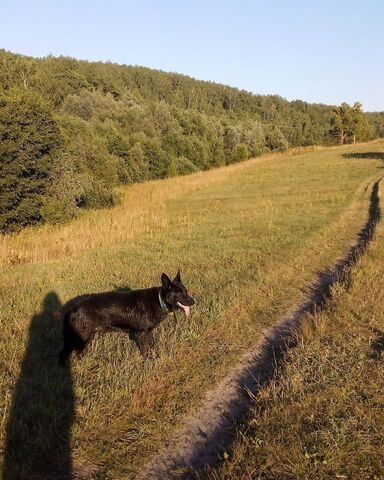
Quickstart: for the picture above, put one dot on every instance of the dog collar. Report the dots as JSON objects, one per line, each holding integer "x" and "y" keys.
{"x": 163, "y": 305}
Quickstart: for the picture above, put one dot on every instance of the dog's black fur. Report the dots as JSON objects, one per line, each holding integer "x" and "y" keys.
{"x": 138, "y": 311}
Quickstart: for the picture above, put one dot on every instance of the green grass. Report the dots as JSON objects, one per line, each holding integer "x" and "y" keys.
{"x": 322, "y": 417}
{"x": 247, "y": 238}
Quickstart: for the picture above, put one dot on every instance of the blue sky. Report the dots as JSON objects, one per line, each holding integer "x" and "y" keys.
{"x": 318, "y": 51}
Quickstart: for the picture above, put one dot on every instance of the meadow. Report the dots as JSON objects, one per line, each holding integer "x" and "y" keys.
{"x": 247, "y": 238}
{"x": 322, "y": 416}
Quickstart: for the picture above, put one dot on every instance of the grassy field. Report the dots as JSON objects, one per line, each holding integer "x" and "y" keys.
{"x": 247, "y": 238}
{"x": 323, "y": 415}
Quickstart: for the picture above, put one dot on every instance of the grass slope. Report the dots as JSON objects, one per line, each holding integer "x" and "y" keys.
{"x": 322, "y": 417}
{"x": 247, "y": 238}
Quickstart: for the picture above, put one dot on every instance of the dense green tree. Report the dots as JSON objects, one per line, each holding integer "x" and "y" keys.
{"x": 360, "y": 127}
{"x": 275, "y": 139}
{"x": 231, "y": 139}
{"x": 349, "y": 123}
{"x": 240, "y": 152}
{"x": 29, "y": 140}
{"x": 65, "y": 192}
{"x": 375, "y": 122}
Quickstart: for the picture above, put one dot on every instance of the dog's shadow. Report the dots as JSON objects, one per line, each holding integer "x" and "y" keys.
{"x": 38, "y": 430}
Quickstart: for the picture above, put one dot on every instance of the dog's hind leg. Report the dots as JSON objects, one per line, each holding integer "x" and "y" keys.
{"x": 72, "y": 342}
{"x": 145, "y": 342}
{"x": 76, "y": 337}
{"x": 83, "y": 345}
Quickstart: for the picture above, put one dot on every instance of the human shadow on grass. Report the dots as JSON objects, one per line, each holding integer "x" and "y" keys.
{"x": 38, "y": 430}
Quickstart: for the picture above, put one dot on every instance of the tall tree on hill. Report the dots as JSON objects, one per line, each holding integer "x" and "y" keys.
{"x": 29, "y": 138}
{"x": 349, "y": 123}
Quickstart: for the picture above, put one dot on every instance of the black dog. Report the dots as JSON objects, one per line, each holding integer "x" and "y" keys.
{"x": 138, "y": 311}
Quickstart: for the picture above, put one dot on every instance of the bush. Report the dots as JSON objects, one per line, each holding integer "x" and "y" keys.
{"x": 87, "y": 105}
{"x": 275, "y": 140}
{"x": 231, "y": 139}
{"x": 65, "y": 193}
{"x": 98, "y": 195}
{"x": 172, "y": 169}
{"x": 240, "y": 152}
{"x": 158, "y": 161}
{"x": 137, "y": 168}
{"x": 29, "y": 140}
{"x": 185, "y": 166}
{"x": 254, "y": 138}
{"x": 91, "y": 158}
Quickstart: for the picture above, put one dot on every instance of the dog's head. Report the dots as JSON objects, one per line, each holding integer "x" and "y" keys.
{"x": 175, "y": 294}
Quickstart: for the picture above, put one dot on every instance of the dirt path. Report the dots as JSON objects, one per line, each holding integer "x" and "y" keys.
{"x": 209, "y": 430}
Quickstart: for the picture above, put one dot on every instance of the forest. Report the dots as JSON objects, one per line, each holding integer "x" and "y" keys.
{"x": 72, "y": 130}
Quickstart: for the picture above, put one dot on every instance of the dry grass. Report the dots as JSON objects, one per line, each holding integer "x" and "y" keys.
{"x": 323, "y": 417}
{"x": 103, "y": 227}
{"x": 246, "y": 237}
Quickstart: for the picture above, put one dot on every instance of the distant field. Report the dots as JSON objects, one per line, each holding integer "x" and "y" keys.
{"x": 323, "y": 416}
{"x": 247, "y": 238}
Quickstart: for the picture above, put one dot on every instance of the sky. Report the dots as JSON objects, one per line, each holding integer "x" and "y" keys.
{"x": 319, "y": 51}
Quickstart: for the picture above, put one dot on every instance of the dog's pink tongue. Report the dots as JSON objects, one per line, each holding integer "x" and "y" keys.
{"x": 186, "y": 308}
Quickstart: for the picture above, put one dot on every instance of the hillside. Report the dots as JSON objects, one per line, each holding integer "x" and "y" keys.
{"x": 322, "y": 415}
{"x": 72, "y": 130}
{"x": 247, "y": 237}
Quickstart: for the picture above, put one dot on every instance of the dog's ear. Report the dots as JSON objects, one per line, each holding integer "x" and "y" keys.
{"x": 166, "y": 281}
{"x": 177, "y": 278}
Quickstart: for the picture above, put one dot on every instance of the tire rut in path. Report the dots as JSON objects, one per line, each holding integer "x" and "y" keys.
{"x": 210, "y": 429}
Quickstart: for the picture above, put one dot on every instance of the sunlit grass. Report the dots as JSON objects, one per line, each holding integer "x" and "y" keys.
{"x": 141, "y": 211}
{"x": 323, "y": 416}
{"x": 247, "y": 238}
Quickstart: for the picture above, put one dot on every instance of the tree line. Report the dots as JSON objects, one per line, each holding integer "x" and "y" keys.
{"x": 71, "y": 130}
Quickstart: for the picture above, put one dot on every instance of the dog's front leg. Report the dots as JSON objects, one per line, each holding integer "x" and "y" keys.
{"x": 146, "y": 342}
